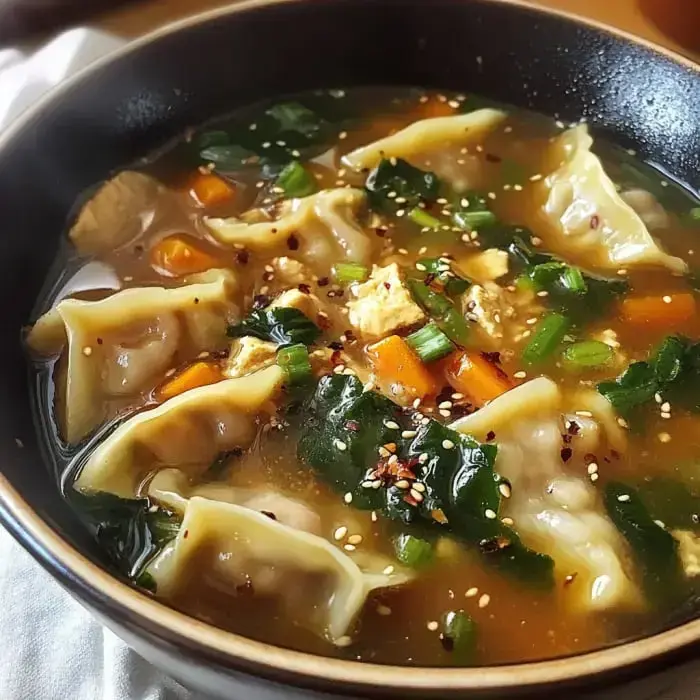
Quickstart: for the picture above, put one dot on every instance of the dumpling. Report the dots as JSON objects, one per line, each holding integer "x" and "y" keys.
{"x": 119, "y": 211}
{"x": 119, "y": 346}
{"x": 227, "y": 547}
{"x": 587, "y": 219}
{"x": 437, "y": 144}
{"x": 555, "y": 511}
{"x": 325, "y": 224}
{"x": 187, "y": 431}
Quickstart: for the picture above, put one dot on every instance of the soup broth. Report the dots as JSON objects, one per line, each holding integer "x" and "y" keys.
{"x": 391, "y": 375}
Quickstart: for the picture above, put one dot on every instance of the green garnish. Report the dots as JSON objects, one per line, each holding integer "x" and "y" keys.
{"x": 474, "y": 220}
{"x": 347, "y": 273}
{"x": 459, "y": 635}
{"x": 413, "y": 551}
{"x": 423, "y": 219}
{"x": 281, "y": 325}
{"x": 294, "y": 360}
{"x": 396, "y": 179}
{"x": 447, "y": 316}
{"x": 546, "y": 338}
{"x": 587, "y": 354}
{"x": 430, "y": 343}
{"x": 442, "y": 272}
{"x": 296, "y": 181}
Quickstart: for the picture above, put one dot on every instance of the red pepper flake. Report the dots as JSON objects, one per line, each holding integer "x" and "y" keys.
{"x": 322, "y": 321}
{"x": 323, "y": 281}
{"x": 100, "y": 341}
{"x": 335, "y": 345}
{"x": 293, "y": 242}
{"x": 242, "y": 257}
{"x": 304, "y": 288}
{"x": 492, "y": 158}
{"x": 269, "y": 514}
{"x": 595, "y": 221}
{"x": 196, "y": 300}
{"x": 589, "y": 458}
{"x": 138, "y": 250}
{"x": 260, "y": 301}
{"x": 185, "y": 534}
{"x": 381, "y": 232}
{"x": 387, "y": 285}
{"x": 566, "y": 453}
{"x": 493, "y": 357}
{"x": 574, "y": 428}
{"x": 490, "y": 436}
{"x": 566, "y": 439}
{"x": 352, "y": 425}
{"x": 336, "y": 358}
{"x": 570, "y": 578}
{"x": 268, "y": 276}
{"x": 410, "y": 500}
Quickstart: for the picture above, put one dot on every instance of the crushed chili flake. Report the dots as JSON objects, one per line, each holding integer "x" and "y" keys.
{"x": 99, "y": 341}
{"x": 566, "y": 439}
{"x": 495, "y": 544}
{"x": 490, "y": 436}
{"x": 336, "y": 357}
{"x": 269, "y": 514}
{"x": 138, "y": 249}
{"x": 293, "y": 242}
{"x": 574, "y": 428}
{"x": 335, "y": 345}
{"x": 242, "y": 257}
{"x": 430, "y": 278}
{"x": 566, "y": 453}
{"x": 352, "y": 425}
{"x": 381, "y": 232}
{"x": 185, "y": 534}
{"x": 387, "y": 285}
{"x": 492, "y": 158}
{"x": 268, "y": 276}
{"x": 304, "y": 288}
{"x": 589, "y": 457}
{"x": 322, "y": 321}
{"x": 260, "y": 301}
{"x": 493, "y": 357}
{"x": 323, "y": 281}
{"x": 595, "y": 221}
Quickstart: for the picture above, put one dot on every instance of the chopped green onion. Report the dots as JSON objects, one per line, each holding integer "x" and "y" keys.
{"x": 548, "y": 334}
{"x": 587, "y": 353}
{"x": 694, "y": 214}
{"x": 573, "y": 279}
{"x": 471, "y": 220}
{"x": 296, "y": 181}
{"x": 445, "y": 275}
{"x": 449, "y": 318}
{"x": 430, "y": 343}
{"x": 146, "y": 581}
{"x": 413, "y": 551}
{"x": 459, "y": 635}
{"x": 294, "y": 360}
{"x": 347, "y": 273}
{"x": 423, "y": 219}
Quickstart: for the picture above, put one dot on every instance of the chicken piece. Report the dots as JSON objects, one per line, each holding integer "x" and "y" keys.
{"x": 486, "y": 266}
{"x": 382, "y": 304}
{"x": 249, "y": 355}
{"x": 290, "y": 272}
{"x": 689, "y": 552}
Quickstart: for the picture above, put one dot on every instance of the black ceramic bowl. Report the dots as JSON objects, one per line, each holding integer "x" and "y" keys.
{"x": 112, "y": 114}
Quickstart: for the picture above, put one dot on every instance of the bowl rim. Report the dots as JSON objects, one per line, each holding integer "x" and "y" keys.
{"x": 105, "y": 593}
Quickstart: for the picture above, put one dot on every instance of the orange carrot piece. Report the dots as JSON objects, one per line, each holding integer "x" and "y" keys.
{"x": 196, "y": 375}
{"x": 472, "y": 374}
{"x": 208, "y": 190}
{"x": 659, "y": 311}
{"x": 396, "y": 363}
{"x": 179, "y": 255}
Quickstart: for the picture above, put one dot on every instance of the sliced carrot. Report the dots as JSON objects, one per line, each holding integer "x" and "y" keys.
{"x": 208, "y": 190}
{"x": 179, "y": 255}
{"x": 659, "y": 311}
{"x": 396, "y": 363}
{"x": 472, "y": 374}
{"x": 197, "y": 374}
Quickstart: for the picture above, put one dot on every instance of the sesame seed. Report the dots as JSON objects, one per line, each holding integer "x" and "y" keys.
{"x": 444, "y": 413}
{"x": 664, "y": 437}
{"x": 661, "y": 524}
{"x": 416, "y": 495}
{"x": 402, "y": 484}
{"x": 368, "y": 484}
{"x": 343, "y": 135}
{"x": 484, "y": 600}
{"x": 584, "y": 414}
{"x": 665, "y": 414}
{"x": 666, "y": 299}
{"x": 392, "y": 425}
{"x": 408, "y": 433}
{"x": 457, "y": 396}
{"x": 418, "y": 486}
{"x": 349, "y": 547}
{"x": 374, "y": 516}
{"x": 348, "y": 497}
{"x": 491, "y": 195}
{"x": 471, "y": 592}
{"x": 504, "y": 489}
{"x": 535, "y": 178}
{"x": 536, "y": 241}
{"x": 507, "y": 521}
{"x": 340, "y": 533}
{"x": 448, "y": 444}
{"x": 388, "y": 571}
{"x": 445, "y": 404}
{"x": 383, "y": 610}
{"x": 416, "y": 403}
{"x": 423, "y": 457}
{"x": 432, "y": 625}
{"x": 383, "y": 452}
{"x": 520, "y": 375}
{"x": 340, "y": 445}
{"x": 622, "y": 422}
{"x": 490, "y": 514}
{"x": 594, "y": 477}
{"x": 355, "y": 539}
{"x": 400, "y": 212}
{"x": 87, "y": 351}
{"x": 666, "y": 406}
{"x": 421, "y": 267}
{"x": 623, "y": 498}
{"x": 592, "y": 468}
{"x": 343, "y": 641}
{"x": 376, "y": 484}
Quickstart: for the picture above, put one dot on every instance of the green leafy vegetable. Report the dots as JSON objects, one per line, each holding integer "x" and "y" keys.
{"x": 281, "y": 325}
{"x": 229, "y": 156}
{"x": 671, "y": 502}
{"x": 473, "y": 213}
{"x": 395, "y": 179}
{"x": 293, "y": 116}
{"x": 294, "y": 360}
{"x": 459, "y": 635}
{"x": 413, "y": 551}
{"x": 423, "y": 219}
{"x": 654, "y": 549}
{"x": 440, "y": 272}
{"x": 296, "y": 181}
{"x": 587, "y": 354}
{"x": 346, "y": 273}
{"x": 430, "y": 343}
{"x": 546, "y": 338}
{"x": 440, "y": 308}
{"x": 343, "y": 431}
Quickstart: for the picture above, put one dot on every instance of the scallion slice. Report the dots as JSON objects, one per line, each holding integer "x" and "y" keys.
{"x": 572, "y": 278}
{"x": 587, "y": 354}
{"x": 459, "y": 635}
{"x": 347, "y": 273}
{"x": 471, "y": 220}
{"x": 294, "y": 360}
{"x": 442, "y": 272}
{"x": 449, "y": 319}
{"x": 694, "y": 214}
{"x": 296, "y": 181}
{"x": 413, "y": 551}
{"x": 423, "y": 219}
{"x": 430, "y": 343}
{"x": 547, "y": 336}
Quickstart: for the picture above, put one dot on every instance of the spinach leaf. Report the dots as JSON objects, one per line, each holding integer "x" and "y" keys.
{"x": 654, "y": 549}
{"x": 672, "y": 502}
{"x": 634, "y": 387}
{"x": 125, "y": 528}
{"x": 228, "y": 156}
{"x": 283, "y": 326}
{"x": 398, "y": 178}
{"x": 292, "y": 116}
{"x": 342, "y": 439}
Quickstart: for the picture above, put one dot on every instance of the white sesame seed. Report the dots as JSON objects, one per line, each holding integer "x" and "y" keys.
{"x": 536, "y": 241}
{"x": 661, "y": 524}
{"x": 433, "y": 625}
{"x": 374, "y": 516}
{"x": 418, "y": 486}
{"x": 368, "y": 484}
{"x": 490, "y": 514}
{"x": 383, "y": 610}
{"x": 376, "y": 484}
{"x": 343, "y": 135}
{"x": 536, "y": 177}
{"x": 457, "y": 396}
{"x": 340, "y": 445}
{"x": 348, "y": 497}
{"x": 349, "y": 547}
{"x": 444, "y": 413}
{"x": 383, "y": 452}
{"x": 445, "y": 404}
{"x": 471, "y": 592}
{"x": 666, "y": 299}
{"x": 664, "y": 437}
{"x": 507, "y": 521}
{"x": 388, "y": 571}
{"x": 87, "y": 351}
{"x": 408, "y": 433}
{"x": 392, "y": 425}
{"x": 504, "y": 489}
{"x": 392, "y": 460}
{"x": 423, "y": 457}
{"x": 340, "y": 533}
{"x": 343, "y": 641}
{"x": 666, "y": 406}
{"x": 448, "y": 444}
{"x": 355, "y": 539}
{"x": 421, "y": 267}
{"x": 417, "y": 496}
{"x": 665, "y": 414}
{"x": 622, "y": 422}
{"x": 594, "y": 477}
{"x": 623, "y": 498}
{"x": 584, "y": 414}
{"x": 484, "y": 600}
{"x": 416, "y": 403}
{"x": 402, "y": 484}
{"x": 520, "y": 375}
{"x": 592, "y": 468}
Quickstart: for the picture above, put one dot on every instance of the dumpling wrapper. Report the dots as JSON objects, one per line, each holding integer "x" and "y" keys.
{"x": 120, "y": 210}
{"x": 187, "y": 431}
{"x": 119, "y": 346}
{"x": 435, "y": 144}
{"x": 587, "y": 221}
{"x": 326, "y": 225}
{"x": 223, "y": 545}
{"x": 554, "y": 511}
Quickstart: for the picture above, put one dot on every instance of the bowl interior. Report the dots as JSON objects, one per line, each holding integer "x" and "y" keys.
{"x": 152, "y": 91}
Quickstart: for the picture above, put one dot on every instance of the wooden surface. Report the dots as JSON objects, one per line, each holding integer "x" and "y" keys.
{"x": 671, "y": 23}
